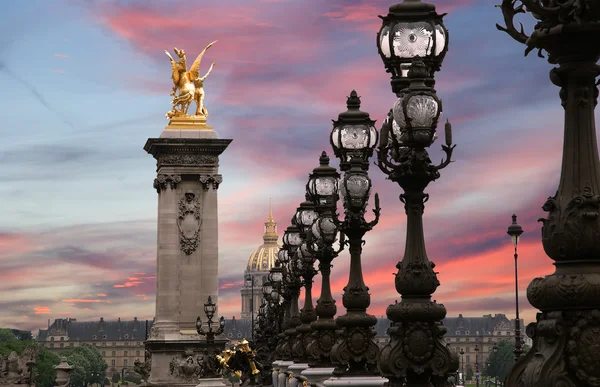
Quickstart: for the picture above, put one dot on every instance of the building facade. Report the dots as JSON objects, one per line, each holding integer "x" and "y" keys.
{"x": 119, "y": 342}
{"x": 467, "y": 333}
{"x": 257, "y": 270}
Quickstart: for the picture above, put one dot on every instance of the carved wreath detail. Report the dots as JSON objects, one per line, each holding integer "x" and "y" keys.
{"x": 189, "y": 222}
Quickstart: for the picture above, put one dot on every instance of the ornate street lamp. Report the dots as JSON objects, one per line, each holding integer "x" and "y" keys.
{"x": 565, "y": 335}
{"x": 354, "y": 138}
{"x": 322, "y": 187}
{"x": 305, "y": 217}
{"x": 477, "y": 365}
{"x": 209, "y": 310}
{"x": 407, "y": 132}
{"x": 462, "y": 362}
{"x": 411, "y": 29}
{"x": 354, "y": 135}
{"x": 515, "y": 231}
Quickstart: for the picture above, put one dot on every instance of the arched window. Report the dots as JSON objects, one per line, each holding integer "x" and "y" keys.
{"x": 125, "y": 354}
{"x": 52, "y": 339}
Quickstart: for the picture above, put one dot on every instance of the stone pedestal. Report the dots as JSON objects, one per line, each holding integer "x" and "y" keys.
{"x": 187, "y": 158}
{"x": 283, "y": 377}
{"x": 211, "y": 382}
{"x": 296, "y": 370}
{"x": 355, "y": 381}
{"x": 316, "y": 376}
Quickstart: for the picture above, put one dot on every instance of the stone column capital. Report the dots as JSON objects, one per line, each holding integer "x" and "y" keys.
{"x": 164, "y": 181}
{"x": 210, "y": 180}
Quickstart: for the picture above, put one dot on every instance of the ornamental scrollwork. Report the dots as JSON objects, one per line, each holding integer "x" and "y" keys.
{"x": 188, "y": 369}
{"x": 209, "y": 181}
{"x": 164, "y": 181}
{"x": 189, "y": 222}
{"x": 572, "y": 231}
{"x": 187, "y": 159}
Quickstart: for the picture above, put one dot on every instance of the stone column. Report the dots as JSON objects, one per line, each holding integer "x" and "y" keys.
{"x": 187, "y": 252}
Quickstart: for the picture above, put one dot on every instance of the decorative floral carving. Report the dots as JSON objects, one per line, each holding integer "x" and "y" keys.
{"x": 189, "y": 222}
{"x": 188, "y": 369}
{"x": 211, "y": 181}
{"x": 572, "y": 232}
{"x": 163, "y": 181}
{"x": 417, "y": 277}
{"x": 187, "y": 159}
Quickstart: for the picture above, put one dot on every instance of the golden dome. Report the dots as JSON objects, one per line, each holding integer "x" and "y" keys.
{"x": 263, "y": 258}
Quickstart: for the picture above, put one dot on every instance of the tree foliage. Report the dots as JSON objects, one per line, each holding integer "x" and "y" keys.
{"x": 500, "y": 362}
{"x": 13, "y": 340}
{"x": 470, "y": 373}
{"x": 88, "y": 365}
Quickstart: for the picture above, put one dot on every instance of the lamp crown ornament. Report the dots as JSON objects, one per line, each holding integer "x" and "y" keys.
{"x": 514, "y": 229}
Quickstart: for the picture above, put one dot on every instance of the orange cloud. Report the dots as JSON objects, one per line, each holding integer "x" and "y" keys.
{"x": 127, "y": 284}
{"x": 76, "y": 301}
{"x": 62, "y": 56}
{"x": 42, "y": 310}
{"x": 101, "y": 295}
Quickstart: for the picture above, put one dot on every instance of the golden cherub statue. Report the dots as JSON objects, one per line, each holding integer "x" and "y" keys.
{"x": 188, "y": 85}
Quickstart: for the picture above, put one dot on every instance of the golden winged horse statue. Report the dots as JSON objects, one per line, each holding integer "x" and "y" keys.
{"x": 189, "y": 86}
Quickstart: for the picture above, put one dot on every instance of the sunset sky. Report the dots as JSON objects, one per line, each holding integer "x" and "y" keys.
{"x": 85, "y": 83}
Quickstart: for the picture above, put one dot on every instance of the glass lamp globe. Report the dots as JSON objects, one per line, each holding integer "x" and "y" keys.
{"x": 283, "y": 255}
{"x": 267, "y": 288}
{"x": 356, "y": 189}
{"x": 412, "y": 29}
{"x": 305, "y": 216}
{"x": 291, "y": 237}
{"x": 325, "y": 230}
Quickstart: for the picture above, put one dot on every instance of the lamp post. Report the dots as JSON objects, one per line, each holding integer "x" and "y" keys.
{"x": 209, "y": 311}
{"x": 565, "y": 331}
{"x": 250, "y": 281}
{"x": 515, "y": 231}
{"x": 476, "y": 365}
{"x": 353, "y": 139}
{"x": 322, "y": 188}
{"x": 412, "y": 43}
{"x": 292, "y": 240}
{"x": 462, "y": 362}
{"x": 305, "y": 217}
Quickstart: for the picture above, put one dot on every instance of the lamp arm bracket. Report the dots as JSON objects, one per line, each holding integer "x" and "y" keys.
{"x": 377, "y": 212}
{"x": 343, "y": 243}
{"x": 444, "y": 163}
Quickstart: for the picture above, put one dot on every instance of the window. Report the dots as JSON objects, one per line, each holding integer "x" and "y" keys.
{"x": 125, "y": 354}
{"x": 114, "y": 344}
{"x": 51, "y": 345}
{"x": 137, "y": 353}
{"x": 71, "y": 345}
{"x": 103, "y": 353}
{"x": 104, "y": 344}
{"x": 94, "y": 337}
{"x": 139, "y": 344}
{"x": 114, "y": 353}
{"x": 112, "y": 362}
{"x": 457, "y": 333}
{"x": 467, "y": 332}
{"x": 62, "y": 345}
{"x": 62, "y": 338}
{"x": 468, "y": 339}
{"x": 468, "y": 357}
{"x": 104, "y": 337}
{"x": 126, "y": 336}
{"x": 468, "y": 350}
{"x": 125, "y": 363}
{"x": 52, "y": 339}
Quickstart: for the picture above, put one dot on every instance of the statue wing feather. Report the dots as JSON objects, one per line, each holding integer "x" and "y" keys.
{"x": 175, "y": 75}
{"x": 194, "y": 70}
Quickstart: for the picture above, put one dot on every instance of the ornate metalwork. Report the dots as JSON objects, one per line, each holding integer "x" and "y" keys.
{"x": 417, "y": 353}
{"x": 164, "y": 181}
{"x": 209, "y": 310}
{"x": 185, "y": 368}
{"x": 143, "y": 369}
{"x": 566, "y": 332}
{"x": 209, "y": 181}
{"x": 355, "y": 351}
{"x": 324, "y": 198}
{"x": 189, "y": 222}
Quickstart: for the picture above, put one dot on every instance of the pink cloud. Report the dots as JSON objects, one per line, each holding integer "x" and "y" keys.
{"x": 61, "y": 56}
{"x": 84, "y": 301}
{"x": 101, "y": 295}
{"x": 127, "y": 284}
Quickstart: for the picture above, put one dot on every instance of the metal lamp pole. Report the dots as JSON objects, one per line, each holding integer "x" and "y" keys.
{"x": 515, "y": 231}
{"x": 462, "y": 362}
{"x": 250, "y": 278}
{"x": 476, "y": 365}
{"x": 564, "y": 334}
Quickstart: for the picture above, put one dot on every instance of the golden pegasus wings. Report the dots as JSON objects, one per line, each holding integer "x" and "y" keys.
{"x": 175, "y": 75}
{"x": 194, "y": 70}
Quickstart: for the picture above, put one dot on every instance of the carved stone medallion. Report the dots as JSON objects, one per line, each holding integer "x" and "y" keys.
{"x": 189, "y": 222}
